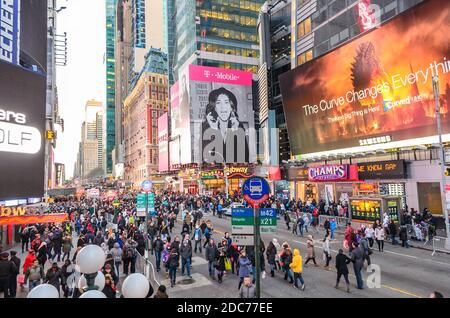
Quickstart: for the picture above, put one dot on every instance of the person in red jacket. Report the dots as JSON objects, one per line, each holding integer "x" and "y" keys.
{"x": 29, "y": 260}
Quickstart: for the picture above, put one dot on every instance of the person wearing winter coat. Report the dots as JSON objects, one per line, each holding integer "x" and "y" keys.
{"x": 29, "y": 260}
{"x": 186, "y": 256}
{"x": 66, "y": 247}
{"x": 244, "y": 268}
{"x": 311, "y": 251}
{"x": 342, "y": 261}
{"x": 404, "y": 236}
{"x": 297, "y": 268}
{"x": 358, "y": 263}
{"x": 271, "y": 253}
{"x": 173, "y": 263}
{"x": 66, "y": 270}
{"x": 7, "y": 270}
{"x": 393, "y": 232}
{"x": 57, "y": 244}
{"x": 117, "y": 253}
{"x": 158, "y": 247}
{"x": 370, "y": 234}
{"x": 211, "y": 253}
{"x": 379, "y": 237}
{"x": 221, "y": 264}
{"x": 285, "y": 262}
{"x": 247, "y": 290}
{"x": 42, "y": 253}
{"x": 326, "y": 250}
{"x": 25, "y": 238}
{"x": 54, "y": 276}
{"x": 129, "y": 256}
{"x": 287, "y": 219}
{"x": 98, "y": 240}
{"x": 197, "y": 238}
{"x": 111, "y": 241}
{"x": 333, "y": 227}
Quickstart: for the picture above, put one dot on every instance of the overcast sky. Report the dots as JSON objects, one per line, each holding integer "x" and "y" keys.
{"x": 84, "y": 76}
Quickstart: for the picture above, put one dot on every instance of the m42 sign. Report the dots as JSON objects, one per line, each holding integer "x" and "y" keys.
{"x": 268, "y": 220}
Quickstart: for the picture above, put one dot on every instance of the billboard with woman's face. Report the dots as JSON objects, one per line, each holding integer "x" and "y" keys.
{"x": 222, "y": 117}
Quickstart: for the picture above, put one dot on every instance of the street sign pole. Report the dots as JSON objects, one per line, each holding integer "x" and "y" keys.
{"x": 145, "y": 227}
{"x": 257, "y": 251}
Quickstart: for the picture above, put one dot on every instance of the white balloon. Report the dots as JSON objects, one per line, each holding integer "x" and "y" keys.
{"x": 99, "y": 281}
{"x": 90, "y": 259}
{"x": 44, "y": 291}
{"x": 135, "y": 286}
{"x": 93, "y": 294}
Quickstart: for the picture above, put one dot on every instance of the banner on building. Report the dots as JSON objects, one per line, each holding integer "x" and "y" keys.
{"x": 33, "y": 219}
{"x": 10, "y": 31}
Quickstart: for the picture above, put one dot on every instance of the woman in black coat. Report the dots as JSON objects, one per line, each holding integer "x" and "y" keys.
{"x": 271, "y": 252}
{"x": 342, "y": 261}
{"x": 42, "y": 253}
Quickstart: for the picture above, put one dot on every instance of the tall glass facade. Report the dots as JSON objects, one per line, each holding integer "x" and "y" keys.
{"x": 139, "y": 25}
{"x": 110, "y": 83}
{"x": 169, "y": 14}
{"x": 224, "y": 30}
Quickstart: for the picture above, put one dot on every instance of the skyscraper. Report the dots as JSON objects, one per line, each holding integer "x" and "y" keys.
{"x": 110, "y": 83}
{"x": 216, "y": 33}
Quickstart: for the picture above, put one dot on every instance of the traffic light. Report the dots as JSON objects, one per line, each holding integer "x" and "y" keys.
{"x": 447, "y": 172}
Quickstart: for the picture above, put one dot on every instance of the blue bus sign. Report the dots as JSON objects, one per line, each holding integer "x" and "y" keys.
{"x": 146, "y": 186}
{"x": 256, "y": 190}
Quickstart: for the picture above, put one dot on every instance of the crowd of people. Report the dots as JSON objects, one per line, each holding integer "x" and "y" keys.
{"x": 124, "y": 236}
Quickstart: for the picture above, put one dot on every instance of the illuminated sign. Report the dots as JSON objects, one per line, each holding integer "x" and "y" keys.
{"x": 15, "y": 137}
{"x": 33, "y": 219}
{"x": 375, "y": 140}
{"x": 327, "y": 173}
{"x": 9, "y": 34}
{"x": 232, "y": 172}
{"x": 382, "y": 170}
{"x": 368, "y": 15}
{"x": 7, "y": 211}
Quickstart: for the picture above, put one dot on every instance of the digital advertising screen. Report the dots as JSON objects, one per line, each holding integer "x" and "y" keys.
{"x": 376, "y": 89}
{"x": 22, "y": 132}
{"x": 163, "y": 143}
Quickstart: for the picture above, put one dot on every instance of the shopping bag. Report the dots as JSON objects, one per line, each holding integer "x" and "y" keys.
{"x": 227, "y": 265}
{"x": 21, "y": 279}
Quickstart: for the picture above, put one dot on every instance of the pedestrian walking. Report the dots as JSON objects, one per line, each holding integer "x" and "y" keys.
{"x": 379, "y": 237}
{"x": 342, "y": 261}
{"x": 66, "y": 246}
{"x": 297, "y": 268}
{"x": 271, "y": 253}
{"x": 25, "y": 238}
{"x": 34, "y": 275}
{"x": 393, "y": 232}
{"x": 285, "y": 262}
{"x": 197, "y": 238}
{"x": 370, "y": 234}
{"x": 311, "y": 251}
{"x": 326, "y": 250}
{"x": 158, "y": 247}
{"x": 404, "y": 236}
{"x": 173, "y": 264}
{"x": 109, "y": 290}
{"x": 358, "y": 263}
{"x": 186, "y": 256}
{"x": 129, "y": 257}
{"x": 365, "y": 248}
{"x": 244, "y": 268}
{"x": 54, "y": 276}
{"x": 211, "y": 253}
{"x": 287, "y": 219}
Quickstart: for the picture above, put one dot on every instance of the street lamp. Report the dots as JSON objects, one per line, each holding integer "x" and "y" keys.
{"x": 135, "y": 286}
{"x": 90, "y": 259}
{"x": 224, "y": 171}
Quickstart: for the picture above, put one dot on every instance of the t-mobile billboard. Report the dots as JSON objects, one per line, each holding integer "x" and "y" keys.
{"x": 376, "y": 89}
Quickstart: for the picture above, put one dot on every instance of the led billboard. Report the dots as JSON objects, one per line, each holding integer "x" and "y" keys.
{"x": 163, "y": 144}
{"x": 376, "y": 89}
{"x": 212, "y": 116}
{"x": 22, "y": 132}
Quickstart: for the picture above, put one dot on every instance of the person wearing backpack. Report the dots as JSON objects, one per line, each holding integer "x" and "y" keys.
{"x": 129, "y": 257}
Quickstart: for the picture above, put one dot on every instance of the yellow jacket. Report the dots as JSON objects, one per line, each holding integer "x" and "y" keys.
{"x": 297, "y": 262}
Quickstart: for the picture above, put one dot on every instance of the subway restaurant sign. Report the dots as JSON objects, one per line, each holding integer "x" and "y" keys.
{"x": 232, "y": 172}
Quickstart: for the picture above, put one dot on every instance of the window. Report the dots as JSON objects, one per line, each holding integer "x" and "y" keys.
{"x": 304, "y": 27}
{"x": 304, "y": 57}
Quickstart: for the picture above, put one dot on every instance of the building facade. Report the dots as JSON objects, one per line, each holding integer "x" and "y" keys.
{"x": 216, "y": 33}
{"x": 146, "y": 103}
{"x": 110, "y": 59}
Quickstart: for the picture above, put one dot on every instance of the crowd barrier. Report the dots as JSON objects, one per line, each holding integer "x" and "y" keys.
{"x": 145, "y": 267}
{"x": 440, "y": 245}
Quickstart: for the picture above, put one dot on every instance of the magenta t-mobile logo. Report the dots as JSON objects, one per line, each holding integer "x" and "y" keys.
{"x": 207, "y": 74}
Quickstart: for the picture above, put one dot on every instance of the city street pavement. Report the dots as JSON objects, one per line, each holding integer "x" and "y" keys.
{"x": 405, "y": 273}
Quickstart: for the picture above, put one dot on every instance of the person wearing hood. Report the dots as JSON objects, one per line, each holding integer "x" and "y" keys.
{"x": 29, "y": 260}
{"x": 297, "y": 268}
{"x": 186, "y": 255}
{"x": 116, "y": 253}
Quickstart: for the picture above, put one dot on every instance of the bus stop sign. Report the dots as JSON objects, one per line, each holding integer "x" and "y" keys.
{"x": 256, "y": 190}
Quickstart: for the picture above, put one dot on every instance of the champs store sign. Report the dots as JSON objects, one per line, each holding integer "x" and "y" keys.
{"x": 19, "y": 216}
{"x": 333, "y": 173}
{"x": 232, "y": 172}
